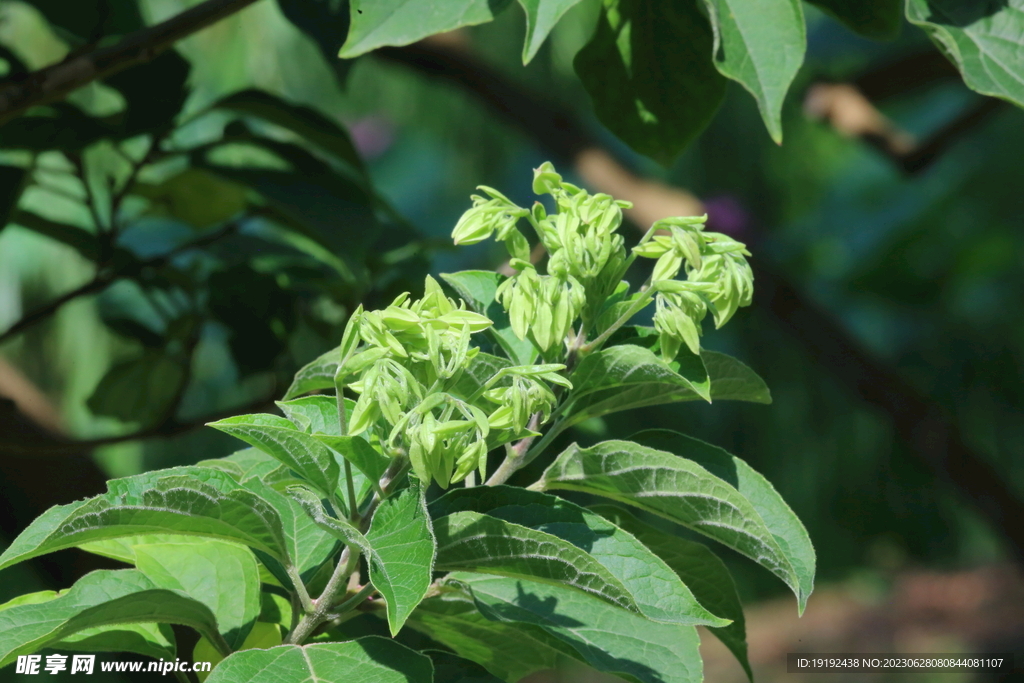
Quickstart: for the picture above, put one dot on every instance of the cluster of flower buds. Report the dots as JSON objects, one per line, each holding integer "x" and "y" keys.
{"x": 586, "y": 257}
{"x": 541, "y": 307}
{"x": 405, "y": 363}
{"x": 718, "y": 279}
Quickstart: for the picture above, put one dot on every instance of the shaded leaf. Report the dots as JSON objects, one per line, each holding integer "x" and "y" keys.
{"x": 148, "y": 640}
{"x": 701, "y": 570}
{"x": 222, "y": 576}
{"x": 655, "y": 589}
{"x": 470, "y": 541}
{"x": 605, "y": 637}
{"x": 262, "y": 636}
{"x": 139, "y": 389}
{"x": 878, "y": 19}
{"x": 79, "y": 239}
{"x": 97, "y": 599}
{"x": 649, "y": 72}
{"x": 450, "y": 667}
{"x": 305, "y": 122}
{"x": 509, "y": 651}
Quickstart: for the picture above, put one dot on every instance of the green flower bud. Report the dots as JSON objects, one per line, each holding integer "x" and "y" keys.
{"x": 677, "y": 318}
{"x": 461, "y": 317}
{"x": 546, "y": 180}
{"x": 667, "y": 266}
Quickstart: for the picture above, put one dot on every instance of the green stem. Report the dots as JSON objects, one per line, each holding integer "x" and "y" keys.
{"x": 353, "y": 509}
{"x": 646, "y": 293}
{"x": 300, "y": 588}
{"x": 219, "y": 644}
{"x": 321, "y": 609}
{"x": 182, "y": 677}
{"x": 354, "y": 601}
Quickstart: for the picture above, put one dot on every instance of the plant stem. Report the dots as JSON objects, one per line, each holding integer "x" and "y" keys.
{"x": 300, "y": 588}
{"x": 182, "y": 677}
{"x": 319, "y": 611}
{"x": 646, "y": 293}
{"x": 354, "y": 601}
{"x": 353, "y": 504}
{"x": 514, "y": 459}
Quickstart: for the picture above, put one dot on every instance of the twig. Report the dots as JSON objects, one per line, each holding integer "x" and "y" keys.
{"x": 55, "y": 82}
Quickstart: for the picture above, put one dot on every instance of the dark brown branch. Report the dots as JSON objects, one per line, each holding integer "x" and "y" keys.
{"x": 927, "y": 432}
{"x": 53, "y": 83}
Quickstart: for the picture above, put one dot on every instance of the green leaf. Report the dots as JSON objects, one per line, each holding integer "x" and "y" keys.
{"x": 313, "y": 414}
{"x": 649, "y": 72}
{"x": 360, "y": 453}
{"x": 628, "y": 365}
{"x": 194, "y": 501}
{"x": 627, "y": 376}
{"x": 98, "y": 599}
{"x": 682, "y": 491}
{"x": 309, "y": 546}
{"x": 12, "y": 178}
{"x": 376, "y": 23}
{"x": 263, "y": 636}
{"x": 654, "y": 588}
{"x": 541, "y": 17}
{"x": 605, "y": 637}
{"x": 470, "y": 541}
{"x": 786, "y": 527}
{"x": 280, "y": 438}
{"x": 366, "y": 660}
{"x": 316, "y": 375}
{"x": 140, "y": 389}
{"x": 700, "y": 569}
{"x": 222, "y": 576}
{"x": 404, "y": 548}
{"x": 509, "y": 651}
{"x": 477, "y": 288}
{"x": 149, "y": 640}
{"x": 480, "y": 369}
{"x": 449, "y": 667}
{"x": 982, "y": 38}
{"x": 308, "y": 124}
{"x": 79, "y": 239}
{"x": 878, "y": 19}
{"x": 339, "y": 528}
{"x": 760, "y": 44}
{"x": 732, "y": 380}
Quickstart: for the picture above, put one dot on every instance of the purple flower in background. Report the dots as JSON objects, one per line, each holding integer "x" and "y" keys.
{"x": 372, "y": 136}
{"x": 727, "y": 214}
